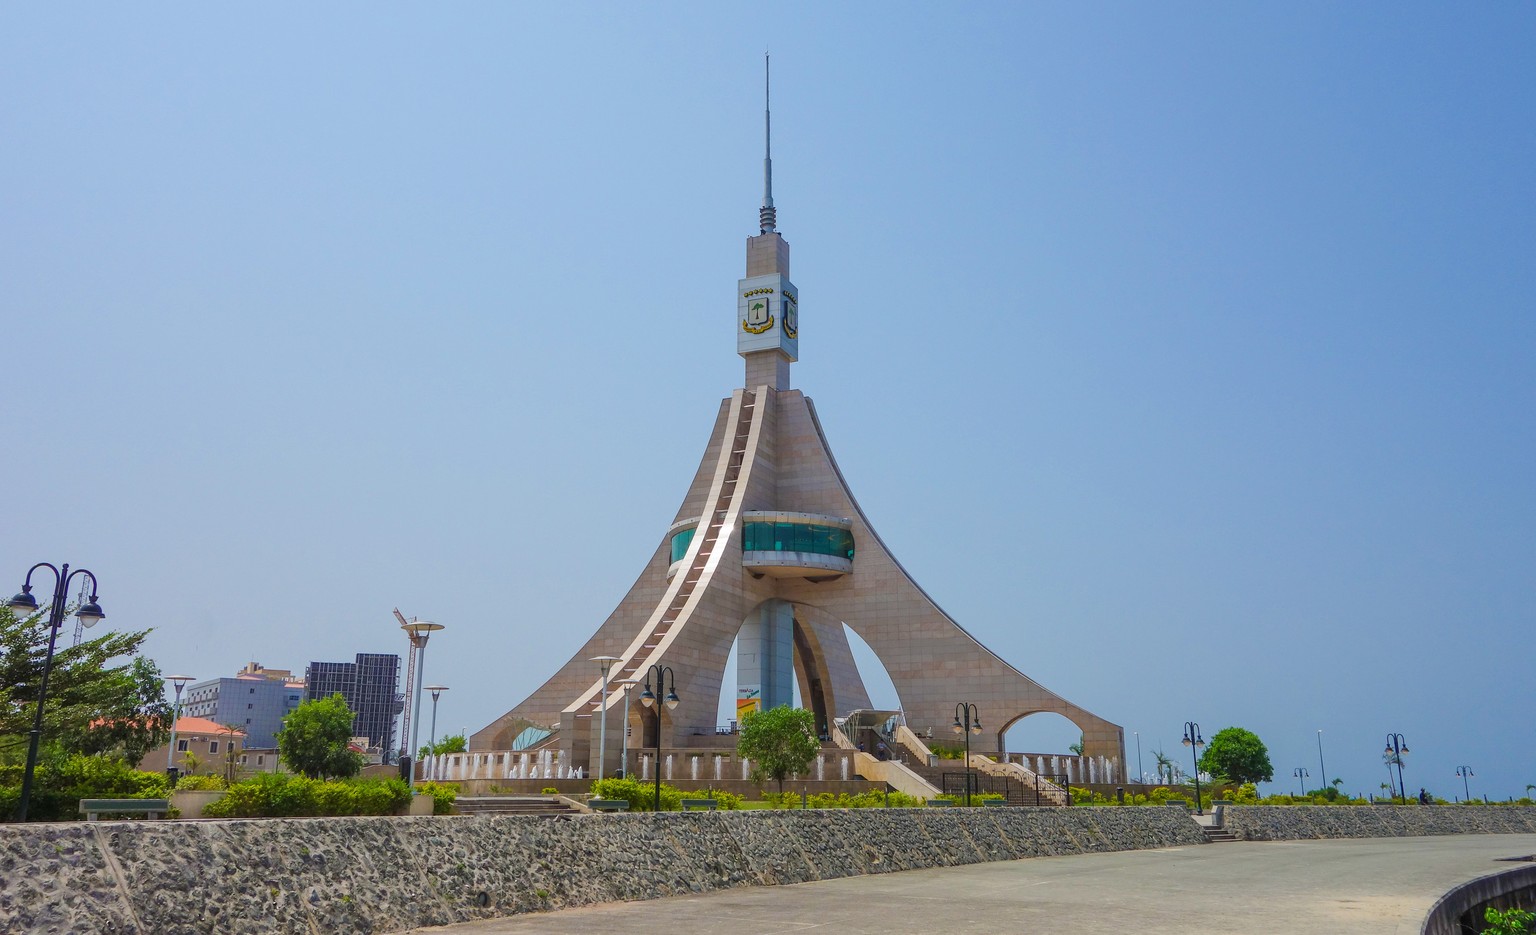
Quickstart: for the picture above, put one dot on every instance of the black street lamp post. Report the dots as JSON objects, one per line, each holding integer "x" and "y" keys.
{"x": 1464, "y": 772}
{"x": 1396, "y": 747}
{"x": 967, "y": 722}
{"x": 25, "y": 605}
{"x": 1301, "y": 775}
{"x": 648, "y": 698}
{"x": 1194, "y": 742}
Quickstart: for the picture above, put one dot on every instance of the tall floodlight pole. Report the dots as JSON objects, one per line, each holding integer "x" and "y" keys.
{"x": 418, "y": 631}
{"x": 1321, "y": 769}
{"x": 25, "y": 605}
{"x": 604, "y": 663}
{"x": 648, "y": 698}
{"x": 179, "y": 682}
{"x": 437, "y": 691}
{"x": 1194, "y": 742}
{"x": 967, "y": 722}
{"x": 628, "y": 686}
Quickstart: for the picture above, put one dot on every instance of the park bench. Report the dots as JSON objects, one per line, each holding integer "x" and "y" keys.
{"x": 609, "y": 805}
{"x": 939, "y": 803}
{"x": 708, "y": 804}
{"x": 154, "y": 808}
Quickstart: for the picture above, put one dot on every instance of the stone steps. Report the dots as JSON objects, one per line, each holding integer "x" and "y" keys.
{"x": 1217, "y": 835}
{"x": 511, "y": 805}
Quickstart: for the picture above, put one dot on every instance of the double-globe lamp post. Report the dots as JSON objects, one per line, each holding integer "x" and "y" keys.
{"x": 967, "y": 722}
{"x": 1464, "y": 772}
{"x": 178, "y": 682}
{"x": 1194, "y": 742}
{"x": 1396, "y": 747}
{"x": 648, "y": 698}
{"x": 604, "y": 664}
{"x": 25, "y": 605}
{"x": 1301, "y": 775}
{"x": 419, "y": 632}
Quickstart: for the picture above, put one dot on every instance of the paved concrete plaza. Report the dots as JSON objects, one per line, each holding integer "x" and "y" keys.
{"x": 1376, "y": 885}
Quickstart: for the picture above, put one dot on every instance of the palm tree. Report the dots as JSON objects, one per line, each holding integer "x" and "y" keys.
{"x": 1164, "y": 766}
{"x": 229, "y": 751}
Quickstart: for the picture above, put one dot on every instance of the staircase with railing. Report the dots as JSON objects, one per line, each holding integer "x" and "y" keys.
{"x": 897, "y": 775}
{"x": 1032, "y": 785}
{"x": 712, "y": 526}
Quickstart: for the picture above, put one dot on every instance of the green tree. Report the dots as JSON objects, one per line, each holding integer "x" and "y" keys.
{"x": 1164, "y": 766}
{"x": 453, "y": 743}
{"x": 104, "y": 696}
{"x": 780, "y": 741}
{"x": 314, "y": 737}
{"x": 1238, "y": 756}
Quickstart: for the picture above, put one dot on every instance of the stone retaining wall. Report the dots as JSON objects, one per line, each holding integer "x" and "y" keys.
{"x": 1296, "y": 822}
{"x": 347, "y": 875}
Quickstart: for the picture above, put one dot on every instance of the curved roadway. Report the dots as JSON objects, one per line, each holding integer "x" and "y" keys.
{"x": 1360, "y": 887}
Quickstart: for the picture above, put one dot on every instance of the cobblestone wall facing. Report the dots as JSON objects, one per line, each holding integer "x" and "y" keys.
{"x": 347, "y": 875}
{"x": 1298, "y": 822}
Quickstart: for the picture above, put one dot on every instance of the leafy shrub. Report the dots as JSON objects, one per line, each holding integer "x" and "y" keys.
{"x": 872, "y": 799}
{"x": 549, "y": 790}
{"x": 640, "y": 795}
{"x": 200, "y": 783}
{"x": 1509, "y": 922}
{"x": 275, "y": 795}
{"x": 976, "y": 798}
{"x": 1248, "y": 794}
{"x": 59, "y": 783}
{"x": 443, "y": 795}
{"x": 947, "y": 751}
{"x": 725, "y": 801}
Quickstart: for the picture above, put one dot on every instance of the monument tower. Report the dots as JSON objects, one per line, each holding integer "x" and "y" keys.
{"x": 770, "y": 545}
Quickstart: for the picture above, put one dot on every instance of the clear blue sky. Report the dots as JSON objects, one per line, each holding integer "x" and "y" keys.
{"x": 1183, "y": 352}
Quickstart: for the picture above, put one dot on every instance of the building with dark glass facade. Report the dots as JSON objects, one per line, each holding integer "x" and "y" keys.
{"x": 370, "y": 684}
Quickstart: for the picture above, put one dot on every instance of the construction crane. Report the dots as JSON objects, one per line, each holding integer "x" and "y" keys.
{"x": 410, "y": 679}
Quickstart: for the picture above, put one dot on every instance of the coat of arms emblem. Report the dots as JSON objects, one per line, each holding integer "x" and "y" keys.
{"x": 759, "y": 312}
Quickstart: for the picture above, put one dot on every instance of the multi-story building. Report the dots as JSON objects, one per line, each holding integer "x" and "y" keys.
{"x": 256, "y": 700}
{"x": 370, "y": 684}
{"x": 202, "y": 746}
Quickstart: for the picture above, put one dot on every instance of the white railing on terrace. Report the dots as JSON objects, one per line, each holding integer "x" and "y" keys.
{"x": 549, "y": 764}
{"x": 1080, "y": 770}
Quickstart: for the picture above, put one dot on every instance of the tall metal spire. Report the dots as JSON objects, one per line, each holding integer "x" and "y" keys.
{"x": 766, "y": 216}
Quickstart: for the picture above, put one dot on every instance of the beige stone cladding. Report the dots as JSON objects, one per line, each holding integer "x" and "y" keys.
{"x": 932, "y": 661}
{"x": 768, "y": 452}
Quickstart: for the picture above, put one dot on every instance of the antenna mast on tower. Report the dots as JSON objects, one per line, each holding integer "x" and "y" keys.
{"x": 767, "y": 219}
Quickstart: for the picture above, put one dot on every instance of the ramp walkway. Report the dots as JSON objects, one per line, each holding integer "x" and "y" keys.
{"x": 1369, "y": 886}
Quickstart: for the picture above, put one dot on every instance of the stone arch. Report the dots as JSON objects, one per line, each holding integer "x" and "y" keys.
{"x": 1002, "y": 731}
